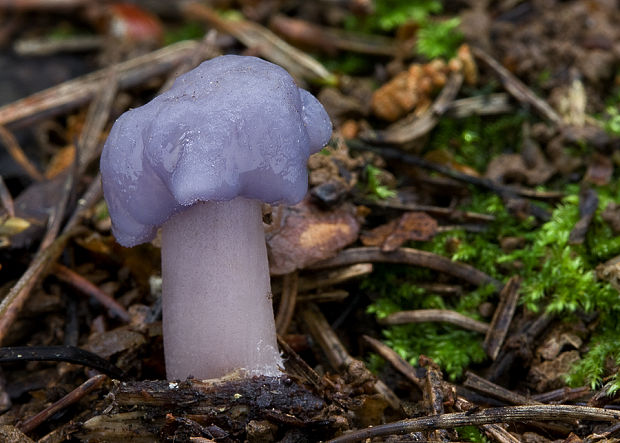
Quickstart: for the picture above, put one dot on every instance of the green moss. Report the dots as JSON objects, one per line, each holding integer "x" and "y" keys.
{"x": 475, "y": 140}
{"x": 557, "y": 278}
{"x": 439, "y": 38}
{"x": 189, "y": 31}
{"x": 390, "y": 14}
{"x": 374, "y": 188}
{"x": 472, "y": 434}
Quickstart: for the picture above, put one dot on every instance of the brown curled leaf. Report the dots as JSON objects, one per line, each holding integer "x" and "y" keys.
{"x": 304, "y": 235}
{"x": 417, "y": 226}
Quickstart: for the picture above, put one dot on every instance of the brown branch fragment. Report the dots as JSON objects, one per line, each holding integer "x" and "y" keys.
{"x": 412, "y": 257}
{"x": 6, "y": 199}
{"x": 332, "y": 39}
{"x": 80, "y": 283}
{"x": 435, "y": 315}
{"x": 498, "y": 188}
{"x": 508, "y": 298}
{"x": 72, "y": 397}
{"x": 18, "y": 155}
{"x": 399, "y": 363}
{"x": 483, "y": 385}
{"x": 507, "y": 414}
{"x": 268, "y": 44}
{"x": 337, "y": 354}
{"x": 13, "y": 302}
{"x": 288, "y": 301}
{"x": 74, "y": 93}
{"x": 518, "y": 89}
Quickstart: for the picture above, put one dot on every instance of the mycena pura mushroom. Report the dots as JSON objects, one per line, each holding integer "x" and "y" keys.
{"x": 199, "y": 160}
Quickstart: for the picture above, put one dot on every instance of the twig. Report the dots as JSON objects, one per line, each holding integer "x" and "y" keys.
{"x": 507, "y": 414}
{"x": 299, "y": 366}
{"x": 489, "y": 388}
{"x": 72, "y": 397}
{"x": 503, "y": 190}
{"x": 490, "y": 104}
{"x": 518, "y": 89}
{"x": 323, "y": 297}
{"x": 57, "y": 214}
{"x": 412, "y": 257}
{"x": 399, "y": 363}
{"x": 12, "y": 304}
{"x": 74, "y": 93}
{"x": 69, "y": 354}
{"x": 270, "y": 46}
{"x": 54, "y": 5}
{"x": 80, "y": 283}
{"x": 337, "y": 355}
{"x": 331, "y": 277}
{"x": 433, "y": 395}
{"x": 89, "y": 142}
{"x": 508, "y": 298}
{"x": 332, "y": 39}
{"x": 435, "y": 315}
{"x": 288, "y": 301}
{"x": 6, "y": 199}
{"x": 437, "y": 211}
{"x": 15, "y": 151}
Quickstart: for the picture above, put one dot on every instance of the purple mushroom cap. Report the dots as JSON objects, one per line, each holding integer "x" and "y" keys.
{"x": 233, "y": 127}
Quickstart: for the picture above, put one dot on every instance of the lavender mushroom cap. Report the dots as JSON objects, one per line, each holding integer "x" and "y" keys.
{"x": 234, "y": 126}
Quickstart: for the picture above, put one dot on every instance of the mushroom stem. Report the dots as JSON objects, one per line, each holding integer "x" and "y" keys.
{"x": 217, "y": 311}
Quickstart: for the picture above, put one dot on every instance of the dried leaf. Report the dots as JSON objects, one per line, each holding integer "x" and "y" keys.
{"x": 416, "y": 226}
{"x": 611, "y": 215}
{"x": 60, "y": 162}
{"x": 13, "y": 226}
{"x": 306, "y": 235}
{"x": 599, "y": 170}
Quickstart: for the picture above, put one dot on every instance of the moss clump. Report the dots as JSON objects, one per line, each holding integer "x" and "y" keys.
{"x": 557, "y": 278}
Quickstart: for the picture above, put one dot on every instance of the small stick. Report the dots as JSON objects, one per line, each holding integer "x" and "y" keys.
{"x": 300, "y": 367}
{"x": 323, "y": 297}
{"x": 86, "y": 287}
{"x": 437, "y": 211}
{"x": 490, "y": 104}
{"x": 505, "y": 311}
{"x": 12, "y": 304}
{"x": 337, "y": 355}
{"x": 435, "y": 315}
{"x": 334, "y": 276}
{"x": 433, "y": 395}
{"x": 268, "y": 44}
{"x": 72, "y": 397}
{"x": 507, "y": 414}
{"x": 288, "y": 301}
{"x": 489, "y": 388}
{"x": 562, "y": 395}
{"x": 518, "y": 89}
{"x": 6, "y": 199}
{"x": 412, "y": 257}
{"x": 498, "y": 188}
{"x": 74, "y": 93}
{"x": 399, "y": 363}
{"x": 16, "y": 151}
{"x": 332, "y": 39}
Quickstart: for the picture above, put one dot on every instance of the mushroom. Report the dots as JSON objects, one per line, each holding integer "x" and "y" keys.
{"x": 199, "y": 160}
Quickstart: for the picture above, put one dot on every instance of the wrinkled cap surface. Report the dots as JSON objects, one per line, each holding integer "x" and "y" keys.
{"x": 234, "y": 126}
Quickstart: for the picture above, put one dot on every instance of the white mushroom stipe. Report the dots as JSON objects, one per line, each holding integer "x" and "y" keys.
{"x": 217, "y": 309}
